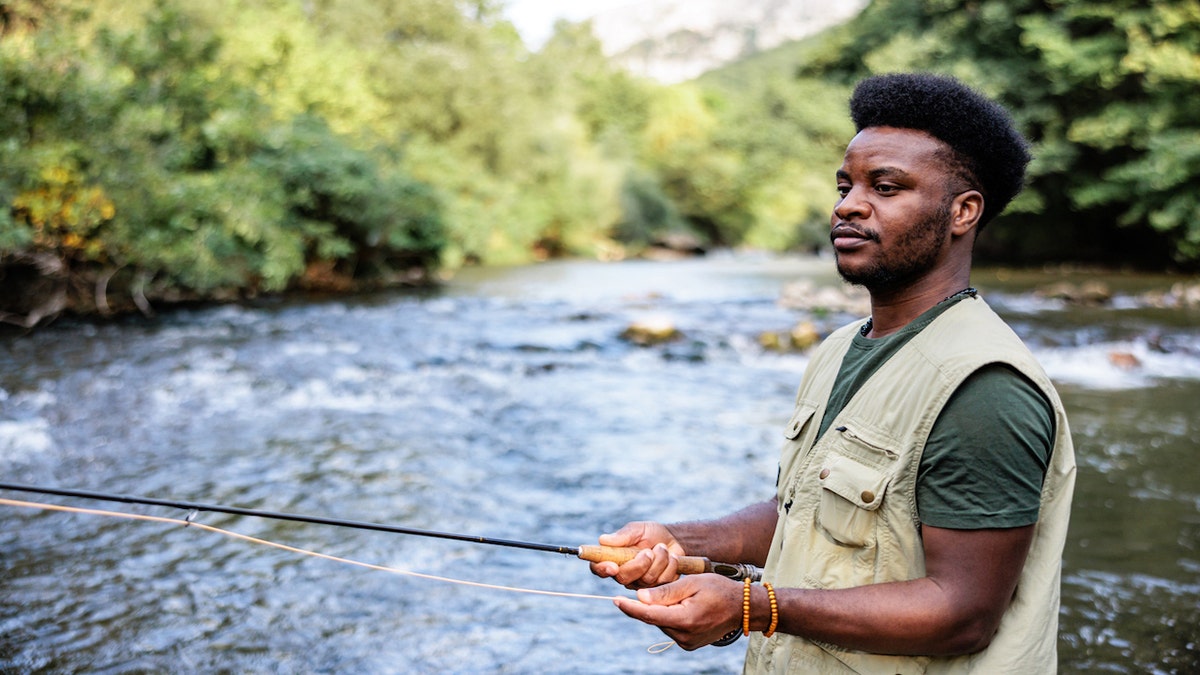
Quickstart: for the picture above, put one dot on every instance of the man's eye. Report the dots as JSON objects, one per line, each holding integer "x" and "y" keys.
{"x": 843, "y": 190}
{"x": 886, "y": 189}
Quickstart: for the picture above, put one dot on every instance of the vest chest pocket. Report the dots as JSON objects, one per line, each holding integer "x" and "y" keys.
{"x": 797, "y": 440}
{"x": 854, "y": 478}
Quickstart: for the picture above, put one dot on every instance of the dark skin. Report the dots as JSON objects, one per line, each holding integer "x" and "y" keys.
{"x": 899, "y": 202}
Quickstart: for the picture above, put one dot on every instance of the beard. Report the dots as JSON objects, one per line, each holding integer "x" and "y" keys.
{"x": 913, "y": 254}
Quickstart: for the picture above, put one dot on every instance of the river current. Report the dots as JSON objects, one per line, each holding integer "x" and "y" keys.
{"x": 506, "y": 404}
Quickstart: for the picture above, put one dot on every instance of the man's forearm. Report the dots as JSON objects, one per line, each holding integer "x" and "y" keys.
{"x": 741, "y": 537}
{"x": 955, "y": 609}
{"x": 913, "y": 617}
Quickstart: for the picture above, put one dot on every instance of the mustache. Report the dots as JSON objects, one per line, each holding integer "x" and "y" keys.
{"x": 844, "y": 229}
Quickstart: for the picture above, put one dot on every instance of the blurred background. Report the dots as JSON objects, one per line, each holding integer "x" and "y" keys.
{"x": 157, "y": 151}
{"x": 528, "y": 270}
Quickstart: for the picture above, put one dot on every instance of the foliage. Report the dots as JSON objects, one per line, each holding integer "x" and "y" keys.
{"x": 790, "y": 135}
{"x": 62, "y": 214}
{"x": 1108, "y": 92}
{"x": 646, "y": 211}
{"x": 1138, "y": 127}
{"x": 160, "y": 149}
{"x": 351, "y": 213}
{"x": 147, "y": 167}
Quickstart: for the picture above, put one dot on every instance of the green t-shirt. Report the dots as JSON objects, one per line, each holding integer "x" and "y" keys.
{"x": 987, "y": 453}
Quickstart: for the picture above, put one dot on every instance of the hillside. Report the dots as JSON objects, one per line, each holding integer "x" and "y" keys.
{"x": 677, "y": 40}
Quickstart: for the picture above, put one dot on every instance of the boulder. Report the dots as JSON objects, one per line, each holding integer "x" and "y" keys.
{"x": 800, "y": 338}
{"x": 649, "y": 332}
{"x": 1124, "y": 360}
{"x": 1086, "y": 293}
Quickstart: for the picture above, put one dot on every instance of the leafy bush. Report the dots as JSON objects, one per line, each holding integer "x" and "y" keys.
{"x": 142, "y": 168}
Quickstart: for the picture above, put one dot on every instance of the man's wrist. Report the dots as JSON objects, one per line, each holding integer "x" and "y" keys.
{"x": 759, "y": 610}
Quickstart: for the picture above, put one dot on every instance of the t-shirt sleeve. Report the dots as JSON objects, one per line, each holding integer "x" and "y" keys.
{"x": 986, "y": 457}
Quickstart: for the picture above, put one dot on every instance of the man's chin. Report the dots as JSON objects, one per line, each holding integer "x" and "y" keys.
{"x": 853, "y": 276}
{"x": 874, "y": 280}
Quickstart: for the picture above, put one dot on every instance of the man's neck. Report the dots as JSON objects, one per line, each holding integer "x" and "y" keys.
{"x": 893, "y": 310}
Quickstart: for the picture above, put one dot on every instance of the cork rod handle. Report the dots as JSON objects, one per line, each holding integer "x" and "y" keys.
{"x": 688, "y": 564}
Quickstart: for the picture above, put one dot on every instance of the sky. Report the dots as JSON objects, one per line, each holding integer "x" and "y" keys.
{"x": 535, "y": 19}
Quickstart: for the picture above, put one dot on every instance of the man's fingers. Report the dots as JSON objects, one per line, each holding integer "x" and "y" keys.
{"x": 662, "y": 567}
{"x": 650, "y": 567}
{"x": 635, "y": 608}
{"x": 653, "y": 565}
{"x": 660, "y": 606}
{"x": 632, "y": 572}
{"x": 605, "y": 569}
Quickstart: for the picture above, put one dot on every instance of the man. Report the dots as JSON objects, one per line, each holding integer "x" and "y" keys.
{"x": 926, "y": 478}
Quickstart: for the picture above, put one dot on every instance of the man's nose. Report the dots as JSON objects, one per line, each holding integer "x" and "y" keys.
{"x": 853, "y": 204}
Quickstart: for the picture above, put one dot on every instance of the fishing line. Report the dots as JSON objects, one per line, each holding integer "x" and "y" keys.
{"x": 698, "y": 564}
{"x": 685, "y": 564}
{"x": 189, "y": 522}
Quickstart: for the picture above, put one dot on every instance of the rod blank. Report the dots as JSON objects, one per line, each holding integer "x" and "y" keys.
{"x": 686, "y": 564}
{"x": 274, "y": 515}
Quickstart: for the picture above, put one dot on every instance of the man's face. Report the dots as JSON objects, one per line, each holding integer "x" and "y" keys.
{"x": 891, "y": 222}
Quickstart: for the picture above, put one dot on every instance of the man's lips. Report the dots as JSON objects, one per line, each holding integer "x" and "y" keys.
{"x": 844, "y": 236}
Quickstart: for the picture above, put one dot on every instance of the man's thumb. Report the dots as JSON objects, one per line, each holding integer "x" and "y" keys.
{"x": 626, "y": 536}
{"x": 613, "y": 539}
{"x": 667, "y": 594}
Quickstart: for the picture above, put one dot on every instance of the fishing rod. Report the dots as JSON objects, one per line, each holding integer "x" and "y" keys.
{"x": 591, "y": 553}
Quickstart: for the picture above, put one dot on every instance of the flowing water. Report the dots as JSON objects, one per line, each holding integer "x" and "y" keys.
{"x": 507, "y": 405}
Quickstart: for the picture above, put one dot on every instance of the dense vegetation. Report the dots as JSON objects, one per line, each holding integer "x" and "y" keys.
{"x": 162, "y": 150}
{"x": 1108, "y": 91}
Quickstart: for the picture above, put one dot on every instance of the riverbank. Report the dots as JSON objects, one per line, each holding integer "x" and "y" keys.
{"x": 36, "y": 292}
{"x": 39, "y": 289}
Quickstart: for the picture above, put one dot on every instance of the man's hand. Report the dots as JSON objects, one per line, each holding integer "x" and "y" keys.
{"x": 655, "y": 565}
{"x": 695, "y": 611}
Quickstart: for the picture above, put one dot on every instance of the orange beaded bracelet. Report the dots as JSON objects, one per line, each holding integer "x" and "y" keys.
{"x": 746, "y": 607}
{"x": 774, "y": 609}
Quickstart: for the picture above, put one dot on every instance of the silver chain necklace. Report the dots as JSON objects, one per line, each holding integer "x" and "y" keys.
{"x": 970, "y": 290}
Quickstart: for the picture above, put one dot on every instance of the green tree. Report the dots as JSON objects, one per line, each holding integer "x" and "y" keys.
{"x": 613, "y": 109}
{"x": 1129, "y": 75}
{"x": 134, "y": 158}
{"x": 1108, "y": 93}
{"x": 791, "y": 134}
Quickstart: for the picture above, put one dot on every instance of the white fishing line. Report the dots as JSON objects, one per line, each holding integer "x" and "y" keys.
{"x": 188, "y": 522}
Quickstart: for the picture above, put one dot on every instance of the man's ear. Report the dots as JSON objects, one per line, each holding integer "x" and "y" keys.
{"x": 965, "y": 212}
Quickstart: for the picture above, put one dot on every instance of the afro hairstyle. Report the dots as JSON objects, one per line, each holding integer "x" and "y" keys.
{"x": 992, "y": 153}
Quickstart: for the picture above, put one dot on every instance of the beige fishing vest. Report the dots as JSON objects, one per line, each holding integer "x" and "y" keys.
{"x": 847, "y": 505}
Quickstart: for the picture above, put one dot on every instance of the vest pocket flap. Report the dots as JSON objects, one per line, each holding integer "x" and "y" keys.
{"x": 800, "y": 418}
{"x": 877, "y": 443}
{"x": 857, "y": 483}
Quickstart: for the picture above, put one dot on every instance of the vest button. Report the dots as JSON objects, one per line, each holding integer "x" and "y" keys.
{"x": 867, "y": 496}
{"x": 824, "y": 474}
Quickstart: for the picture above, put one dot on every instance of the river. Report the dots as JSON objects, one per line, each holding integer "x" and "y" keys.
{"x": 505, "y": 404}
